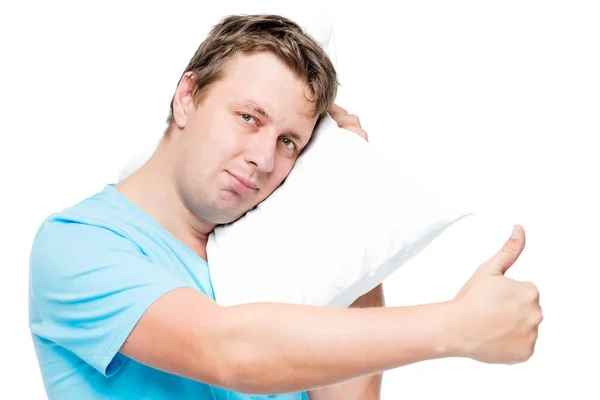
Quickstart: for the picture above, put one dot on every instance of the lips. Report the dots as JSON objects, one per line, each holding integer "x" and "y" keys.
{"x": 242, "y": 185}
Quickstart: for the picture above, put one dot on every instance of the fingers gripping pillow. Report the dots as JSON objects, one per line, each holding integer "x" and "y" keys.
{"x": 343, "y": 221}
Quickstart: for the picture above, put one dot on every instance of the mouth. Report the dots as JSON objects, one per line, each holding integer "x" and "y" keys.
{"x": 242, "y": 185}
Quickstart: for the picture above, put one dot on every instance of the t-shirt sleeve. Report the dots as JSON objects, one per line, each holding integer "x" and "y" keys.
{"x": 90, "y": 286}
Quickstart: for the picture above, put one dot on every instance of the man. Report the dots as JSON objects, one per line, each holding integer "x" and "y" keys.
{"x": 121, "y": 304}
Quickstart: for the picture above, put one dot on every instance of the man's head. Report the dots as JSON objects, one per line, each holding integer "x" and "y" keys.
{"x": 244, "y": 109}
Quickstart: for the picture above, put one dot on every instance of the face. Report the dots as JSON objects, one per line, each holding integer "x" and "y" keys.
{"x": 239, "y": 144}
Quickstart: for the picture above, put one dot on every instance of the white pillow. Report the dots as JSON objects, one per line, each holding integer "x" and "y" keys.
{"x": 342, "y": 222}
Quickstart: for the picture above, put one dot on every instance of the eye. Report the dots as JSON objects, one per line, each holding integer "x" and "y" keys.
{"x": 288, "y": 143}
{"x": 249, "y": 119}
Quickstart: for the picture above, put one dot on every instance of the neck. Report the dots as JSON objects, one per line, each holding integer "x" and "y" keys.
{"x": 152, "y": 189}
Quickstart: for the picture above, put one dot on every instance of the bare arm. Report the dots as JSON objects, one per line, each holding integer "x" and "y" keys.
{"x": 364, "y": 388}
{"x": 277, "y": 348}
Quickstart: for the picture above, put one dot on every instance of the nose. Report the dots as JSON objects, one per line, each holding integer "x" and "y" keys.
{"x": 261, "y": 152}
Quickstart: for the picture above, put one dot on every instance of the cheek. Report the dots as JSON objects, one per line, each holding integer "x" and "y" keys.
{"x": 282, "y": 169}
{"x": 229, "y": 137}
{"x": 223, "y": 146}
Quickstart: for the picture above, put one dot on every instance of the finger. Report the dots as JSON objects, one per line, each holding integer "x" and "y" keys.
{"x": 337, "y": 110}
{"x": 347, "y": 120}
{"x": 360, "y": 132}
{"x": 508, "y": 254}
{"x": 534, "y": 292}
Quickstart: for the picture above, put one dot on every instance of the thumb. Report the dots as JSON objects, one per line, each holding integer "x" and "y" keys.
{"x": 508, "y": 254}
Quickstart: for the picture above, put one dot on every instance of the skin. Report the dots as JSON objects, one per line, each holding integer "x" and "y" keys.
{"x": 189, "y": 187}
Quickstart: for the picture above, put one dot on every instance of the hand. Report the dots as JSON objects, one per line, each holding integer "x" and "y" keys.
{"x": 347, "y": 121}
{"x": 502, "y": 315}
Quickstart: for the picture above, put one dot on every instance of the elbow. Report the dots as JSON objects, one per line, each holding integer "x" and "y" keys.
{"x": 244, "y": 368}
{"x": 236, "y": 361}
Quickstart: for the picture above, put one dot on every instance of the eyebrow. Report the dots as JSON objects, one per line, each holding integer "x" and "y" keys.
{"x": 255, "y": 107}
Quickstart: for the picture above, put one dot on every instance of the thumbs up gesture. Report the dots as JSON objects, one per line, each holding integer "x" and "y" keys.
{"x": 501, "y": 316}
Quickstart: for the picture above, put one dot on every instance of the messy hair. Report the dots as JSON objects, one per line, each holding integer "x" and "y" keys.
{"x": 247, "y": 34}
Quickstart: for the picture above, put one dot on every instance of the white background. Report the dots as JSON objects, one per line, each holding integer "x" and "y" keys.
{"x": 496, "y": 104}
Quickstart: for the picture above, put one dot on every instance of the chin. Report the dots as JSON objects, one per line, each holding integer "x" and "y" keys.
{"x": 227, "y": 208}
{"x": 227, "y": 217}
{"x": 224, "y": 215}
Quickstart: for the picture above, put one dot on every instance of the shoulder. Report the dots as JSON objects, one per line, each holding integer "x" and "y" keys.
{"x": 81, "y": 237}
{"x": 89, "y": 282}
{"x": 82, "y": 259}
{"x": 92, "y": 222}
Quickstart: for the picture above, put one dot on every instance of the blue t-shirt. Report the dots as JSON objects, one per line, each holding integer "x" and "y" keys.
{"x": 95, "y": 269}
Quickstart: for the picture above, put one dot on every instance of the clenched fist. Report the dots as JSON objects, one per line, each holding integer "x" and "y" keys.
{"x": 501, "y": 316}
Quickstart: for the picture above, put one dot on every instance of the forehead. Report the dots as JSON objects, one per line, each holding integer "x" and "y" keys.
{"x": 272, "y": 85}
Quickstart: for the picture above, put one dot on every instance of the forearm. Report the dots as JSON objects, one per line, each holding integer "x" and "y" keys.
{"x": 363, "y": 388}
{"x": 274, "y": 348}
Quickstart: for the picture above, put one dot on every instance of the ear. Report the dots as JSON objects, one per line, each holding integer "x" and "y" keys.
{"x": 183, "y": 101}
